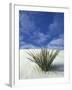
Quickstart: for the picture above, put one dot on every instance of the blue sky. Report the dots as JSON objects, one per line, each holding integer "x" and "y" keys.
{"x": 41, "y": 29}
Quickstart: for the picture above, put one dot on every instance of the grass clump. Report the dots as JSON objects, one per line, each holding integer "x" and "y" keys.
{"x": 44, "y": 58}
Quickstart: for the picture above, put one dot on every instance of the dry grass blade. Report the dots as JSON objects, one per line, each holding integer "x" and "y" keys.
{"x": 44, "y": 58}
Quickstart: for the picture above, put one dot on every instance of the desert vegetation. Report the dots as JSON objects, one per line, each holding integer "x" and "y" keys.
{"x": 44, "y": 58}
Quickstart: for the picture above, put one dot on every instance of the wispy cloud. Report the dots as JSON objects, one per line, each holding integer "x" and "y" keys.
{"x": 26, "y": 45}
{"x": 39, "y": 38}
{"x": 26, "y": 23}
{"x": 57, "y": 43}
{"x": 57, "y": 26}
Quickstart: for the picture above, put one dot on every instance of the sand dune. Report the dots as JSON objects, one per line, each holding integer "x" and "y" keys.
{"x": 29, "y": 69}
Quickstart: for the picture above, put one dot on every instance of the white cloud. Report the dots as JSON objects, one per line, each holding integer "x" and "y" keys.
{"x": 27, "y": 24}
{"x": 26, "y": 45}
{"x": 54, "y": 26}
{"x": 57, "y": 43}
{"x": 39, "y": 37}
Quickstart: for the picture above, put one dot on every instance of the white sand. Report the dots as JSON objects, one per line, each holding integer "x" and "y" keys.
{"x": 29, "y": 69}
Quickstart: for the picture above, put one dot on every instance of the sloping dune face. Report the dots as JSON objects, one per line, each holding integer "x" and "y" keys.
{"x": 29, "y": 69}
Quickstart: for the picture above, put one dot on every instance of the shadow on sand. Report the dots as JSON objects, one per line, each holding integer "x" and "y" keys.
{"x": 57, "y": 67}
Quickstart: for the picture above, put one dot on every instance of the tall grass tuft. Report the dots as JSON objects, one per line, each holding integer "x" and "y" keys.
{"x": 44, "y": 58}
